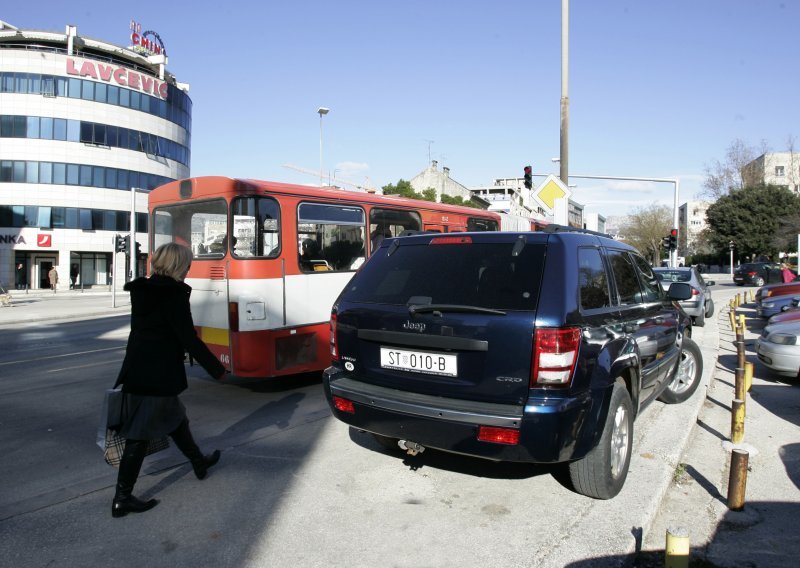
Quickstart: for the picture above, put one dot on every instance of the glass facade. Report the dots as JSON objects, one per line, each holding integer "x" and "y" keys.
{"x": 42, "y": 128}
{"x": 47, "y": 217}
{"x": 19, "y": 171}
{"x": 177, "y": 108}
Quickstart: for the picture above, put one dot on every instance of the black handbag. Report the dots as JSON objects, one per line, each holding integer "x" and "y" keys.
{"x": 108, "y": 438}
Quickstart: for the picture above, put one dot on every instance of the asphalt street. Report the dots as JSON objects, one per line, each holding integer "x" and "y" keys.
{"x": 297, "y": 488}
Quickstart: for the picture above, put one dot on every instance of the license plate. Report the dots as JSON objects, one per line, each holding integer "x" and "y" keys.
{"x": 419, "y": 361}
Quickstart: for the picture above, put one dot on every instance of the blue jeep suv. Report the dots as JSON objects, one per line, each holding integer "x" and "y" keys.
{"x": 528, "y": 347}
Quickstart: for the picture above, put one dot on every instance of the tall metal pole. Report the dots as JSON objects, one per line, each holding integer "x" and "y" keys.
{"x": 322, "y": 111}
{"x": 564, "y": 159}
{"x": 132, "y": 251}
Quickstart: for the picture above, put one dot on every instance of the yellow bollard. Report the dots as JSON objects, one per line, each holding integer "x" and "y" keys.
{"x": 737, "y": 481}
{"x": 748, "y": 376}
{"x": 741, "y": 323}
{"x": 737, "y": 421}
{"x": 732, "y": 317}
{"x": 676, "y": 552}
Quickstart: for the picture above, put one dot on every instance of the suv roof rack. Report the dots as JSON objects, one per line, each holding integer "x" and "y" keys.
{"x": 566, "y": 229}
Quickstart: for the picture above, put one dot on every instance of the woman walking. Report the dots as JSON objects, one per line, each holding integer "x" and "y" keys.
{"x": 153, "y": 372}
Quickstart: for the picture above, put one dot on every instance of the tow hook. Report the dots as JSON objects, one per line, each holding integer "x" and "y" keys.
{"x": 412, "y": 448}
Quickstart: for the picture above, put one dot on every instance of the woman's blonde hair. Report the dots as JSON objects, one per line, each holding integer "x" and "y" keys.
{"x": 171, "y": 260}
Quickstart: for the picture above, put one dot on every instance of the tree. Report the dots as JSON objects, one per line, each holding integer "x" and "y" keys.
{"x": 724, "y": 177}
{"x": 756, "y": 218}
{"x": 645, "y": 229}
{"x": 459, "y": 201}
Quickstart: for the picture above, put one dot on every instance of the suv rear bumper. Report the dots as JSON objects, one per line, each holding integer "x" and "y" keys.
{"x": 549, "y": 430}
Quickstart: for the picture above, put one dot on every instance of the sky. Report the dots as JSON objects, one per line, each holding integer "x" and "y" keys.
{"x": 657, "y": 89}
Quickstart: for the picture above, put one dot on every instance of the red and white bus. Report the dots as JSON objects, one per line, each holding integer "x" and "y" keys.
{"x": 269, "y": 260}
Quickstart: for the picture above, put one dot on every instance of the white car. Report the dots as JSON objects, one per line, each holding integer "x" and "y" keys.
{"x": 779, "y": 348}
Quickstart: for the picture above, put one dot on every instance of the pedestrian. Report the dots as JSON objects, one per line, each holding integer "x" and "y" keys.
{"x": 153, "y": 372}
{"x": 53, "y": 277}
{"x": 20, "y": 279}
{"x": 786, "y": 273}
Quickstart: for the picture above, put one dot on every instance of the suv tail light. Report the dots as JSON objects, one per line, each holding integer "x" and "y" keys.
{"x": 751, "y": 274}
{"x": 555, "y": 351}
{"x": 695, "y": 291}
{"x": 334, "y": 344}
{"x": 451, "y": 241}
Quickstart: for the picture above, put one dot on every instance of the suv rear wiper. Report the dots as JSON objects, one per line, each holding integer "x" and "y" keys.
{"x": 427, "y": 308}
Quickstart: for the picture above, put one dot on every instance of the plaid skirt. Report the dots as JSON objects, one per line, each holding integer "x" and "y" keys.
{"x": 150, "y": 417}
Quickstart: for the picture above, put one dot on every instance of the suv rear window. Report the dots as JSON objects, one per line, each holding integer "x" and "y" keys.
{"x": 477, "y": 274}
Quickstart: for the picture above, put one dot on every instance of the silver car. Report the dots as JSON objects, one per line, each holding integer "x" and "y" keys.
{"x": 700, "y": 306}
{"x": 779, "y": 348}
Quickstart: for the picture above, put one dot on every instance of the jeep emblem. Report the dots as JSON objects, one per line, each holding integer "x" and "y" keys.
{"x": 414, "y": 326}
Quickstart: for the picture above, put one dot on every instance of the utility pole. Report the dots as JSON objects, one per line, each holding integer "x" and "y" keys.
{"x": 564, "y": 158}
{"x": 132, "y": 250}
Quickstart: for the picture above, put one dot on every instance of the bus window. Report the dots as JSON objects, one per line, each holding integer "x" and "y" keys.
{"x": 476, "y": 224}
{"x": 256, "y": 227}
{"x": 200, "y": 225}
{"x": 387, "y": 223}
{"x": 330, "y": 237}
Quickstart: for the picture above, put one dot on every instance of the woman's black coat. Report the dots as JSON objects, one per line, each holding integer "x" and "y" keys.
{"x": 161, "y": 331}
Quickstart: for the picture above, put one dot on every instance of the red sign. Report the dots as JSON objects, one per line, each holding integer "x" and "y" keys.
{"x": 44, "y": 240}
{"x": 119, "y": 75}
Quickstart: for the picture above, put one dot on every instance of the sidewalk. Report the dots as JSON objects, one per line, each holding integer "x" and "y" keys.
{"x": 764, "y": 532}
{"x": 44, "y": 305}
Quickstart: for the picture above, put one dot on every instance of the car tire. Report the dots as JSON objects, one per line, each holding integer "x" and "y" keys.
{"x": 699, "y": 321}
{"x": 387, "y": 442}
{"x": 688, "y": 374}
{"x": 758, "y": 281}
{"x": 602, "y": 472}
{"x": 709, "y": 309}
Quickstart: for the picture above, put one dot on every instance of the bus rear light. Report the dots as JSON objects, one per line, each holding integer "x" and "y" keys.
{"x": 451, "y": 241}
{"x": 334, "y": 344}
{"x": 344, "y": 405}
{"x": 555, "y": 351}
{"x": 496, "y": 435}
{"x": 233, "y": 316}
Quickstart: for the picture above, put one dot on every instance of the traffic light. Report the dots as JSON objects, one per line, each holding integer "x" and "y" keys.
{"x": 665, "y": 243}
{"x": 138, "y": 249}
{"x": 528, "y": 177}
{"x": 121, "y": 243}
{"x": 673, "y": 239}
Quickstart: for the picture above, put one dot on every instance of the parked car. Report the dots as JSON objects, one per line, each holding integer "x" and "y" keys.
{"x": 700, "y": 306}
{"x": 757, "y": 274}
{"x": 792, "y": 314}
{"x": 773, "y": 305}
{"x": 777, "y": 290}
{"x": 525, "y": 347}
{"x": 779, "y": 348}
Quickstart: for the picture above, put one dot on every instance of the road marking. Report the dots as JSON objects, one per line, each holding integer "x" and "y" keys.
{"x": 115, "y": 361}
{"x": 60, "y": 356}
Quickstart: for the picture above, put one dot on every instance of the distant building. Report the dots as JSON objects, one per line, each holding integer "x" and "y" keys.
{"x": 594, "y": 222}
{"x": 691, "y": 223}
{"x": 443, "y": 184}
{"x": 774, "y": 168}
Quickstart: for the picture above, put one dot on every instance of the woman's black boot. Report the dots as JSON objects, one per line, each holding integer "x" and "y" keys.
{"x": 182, "y": 437}
{"x": 129, "y": 466}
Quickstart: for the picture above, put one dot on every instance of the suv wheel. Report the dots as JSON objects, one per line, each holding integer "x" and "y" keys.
{"x": 758, "y": 281}
{"x": 699, "y": 321}
{"x": 710, "y": 308}
{"x": 687, "y": 375}
{"x": 602, "y": 472}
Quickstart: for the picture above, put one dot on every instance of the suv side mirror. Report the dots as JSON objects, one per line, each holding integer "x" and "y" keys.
{"x": 679, "y": 291}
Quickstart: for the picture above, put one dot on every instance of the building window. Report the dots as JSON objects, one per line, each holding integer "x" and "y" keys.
{"x": 779, "y": 171}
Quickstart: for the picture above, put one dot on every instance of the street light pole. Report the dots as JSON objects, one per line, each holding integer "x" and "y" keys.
{"x": 132, "y": 251}
{"x": 322, "y": 111}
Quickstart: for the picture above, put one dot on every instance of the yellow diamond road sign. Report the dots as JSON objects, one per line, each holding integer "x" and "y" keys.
{"x": 549, "y": 190}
